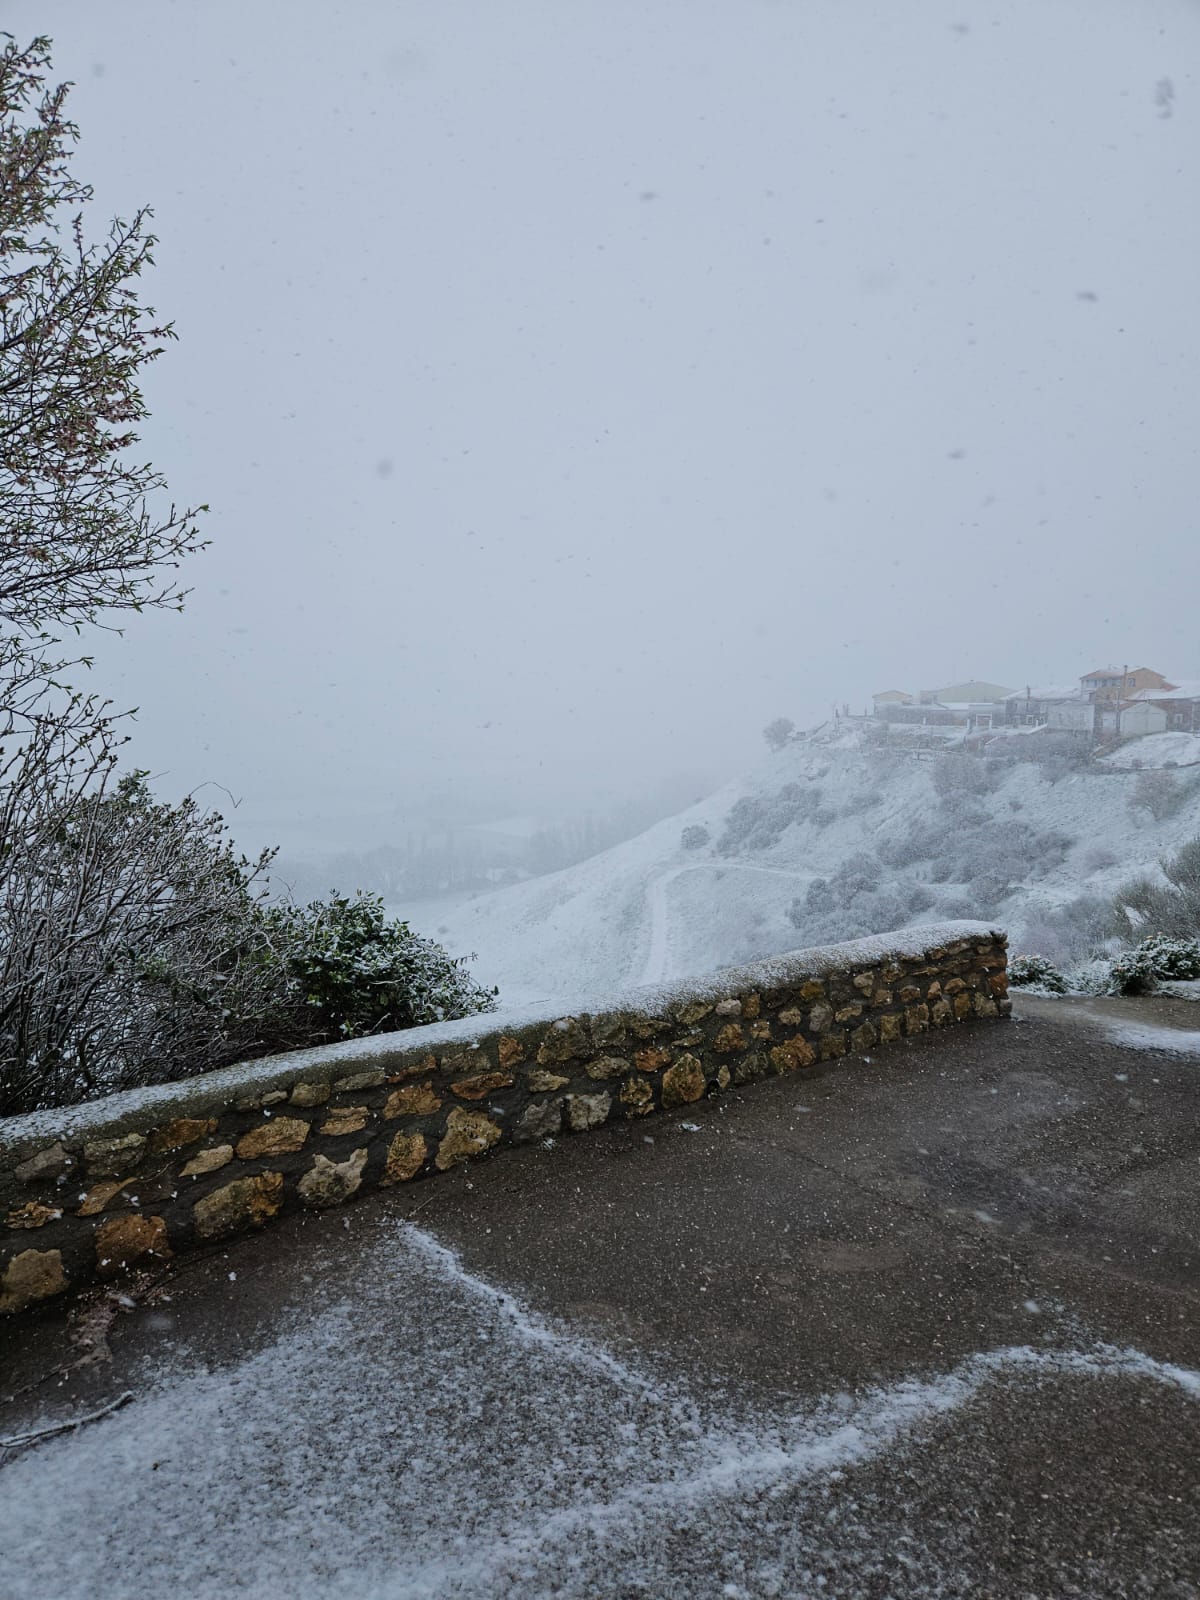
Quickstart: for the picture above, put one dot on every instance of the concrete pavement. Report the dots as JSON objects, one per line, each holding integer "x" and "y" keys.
{"x": 923, "y": 1324}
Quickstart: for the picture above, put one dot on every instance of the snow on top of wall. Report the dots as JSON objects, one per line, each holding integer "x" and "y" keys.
{"x": 146, "y": 1106}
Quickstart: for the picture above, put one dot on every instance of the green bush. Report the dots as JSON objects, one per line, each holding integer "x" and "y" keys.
{"x": 1139, "y": 970}
{"x": 1035, "y": 972}
{"x": 352, "y": 972}
{"x": 137, "y": 946}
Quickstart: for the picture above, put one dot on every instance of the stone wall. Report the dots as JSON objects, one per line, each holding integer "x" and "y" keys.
{"x": 95, "y": 1191}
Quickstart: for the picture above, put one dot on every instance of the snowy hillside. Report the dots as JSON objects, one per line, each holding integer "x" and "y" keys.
{"x": 829, "y": 838}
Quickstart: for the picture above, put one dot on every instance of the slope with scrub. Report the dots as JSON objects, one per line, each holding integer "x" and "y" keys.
{"x": 829, "y": 838}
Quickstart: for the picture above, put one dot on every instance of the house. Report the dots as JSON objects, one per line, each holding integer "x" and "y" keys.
{"x": 973, "y": 715}
{"x": 890, "y": 697}
{"x": 1060, "y": 706}
{"x": 1120, "y": 683}
{"x": 975, "y": 692}
{"x": 1180, "y": 704}
{"x": 1140, "y": 718}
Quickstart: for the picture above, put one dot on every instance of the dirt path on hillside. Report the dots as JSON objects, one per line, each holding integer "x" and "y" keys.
{"x": 658, "y": 954}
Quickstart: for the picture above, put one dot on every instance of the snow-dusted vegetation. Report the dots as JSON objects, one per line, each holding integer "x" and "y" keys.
{"x": 135, "y": 942}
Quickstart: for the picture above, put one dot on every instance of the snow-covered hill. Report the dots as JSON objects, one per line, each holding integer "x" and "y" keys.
{"x": 828, "y": 838}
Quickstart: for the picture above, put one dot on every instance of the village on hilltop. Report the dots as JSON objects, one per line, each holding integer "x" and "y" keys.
{"x": 1108, "y": 705}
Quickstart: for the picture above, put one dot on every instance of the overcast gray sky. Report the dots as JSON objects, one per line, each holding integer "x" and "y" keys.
{"x": 578, "y": 384}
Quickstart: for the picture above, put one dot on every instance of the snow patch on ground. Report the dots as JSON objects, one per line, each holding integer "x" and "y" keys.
{"x": 1146, "y": 1036}
{"x": 1156, "y": 750}
{"x": 1179, "y": 988}
{"x": 479, "y": 1450}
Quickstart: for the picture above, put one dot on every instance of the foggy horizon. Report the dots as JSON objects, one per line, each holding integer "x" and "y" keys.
{"x": 578, "y": 389}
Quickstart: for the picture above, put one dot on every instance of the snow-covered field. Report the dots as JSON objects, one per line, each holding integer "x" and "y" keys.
{"x": 651, "y": 910}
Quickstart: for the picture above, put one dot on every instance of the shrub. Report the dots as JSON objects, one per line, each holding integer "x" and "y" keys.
{"x": 137, "y": 947}
{"x": 694, "y": 837}
{"x": 858, "y": 874}
{"x": 1097, "y": 858}
{"x": 1159, "y": 793}
{"x": 864, "y": 800}
{"x": 818, "y": 898}
{"x": 1059, "y": 754}
{"x": 756, "y": 822}
{"x": 1071, "y": 933}
{"x": 855, "y": 901}
{"x": 987, "y": 891}
{"x": 1160, "y": 957}
{"x": 1172, "y": 906}
{"x": 352, "y": 972}
{"x": 922, "y": 842}
{"x": 1172, "y": 958}
{"x": 778, "y": 733}
{"x": 1029, "y": 972}
{"x": 1132, "y": 973}
{"x": 955, "y": 775}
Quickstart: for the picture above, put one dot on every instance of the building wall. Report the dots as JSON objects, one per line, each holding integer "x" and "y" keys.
{"x": 1143, "y": 718}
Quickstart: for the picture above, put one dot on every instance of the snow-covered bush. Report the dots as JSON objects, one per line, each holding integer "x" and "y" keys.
{"x": 1035, "y": 972}
{"x": 1172, "y": 958}
{"x": 923, "y": 841}
{"x": 756, "y": 822}
{"x": 694, "y": 837}
{"x": 819, "y": 898}
{"x": 136, "y": 946}
{"x": 1058, "y": 755}
{"x": 987, "y": 890}
{"x": 857, "y": 900}
{"x": 1132, "y": 973}
{"x": 351, "y": 971}
{"x": 1160, "y": 793}
{"x": 955, "y": 775}
{"x": 864, "y": 800}
{"x": 1160, "y": 957}
{"x": 1097, "y": 858}
{"x": 858, "y": 874}
{"x": 1170, "y": 905}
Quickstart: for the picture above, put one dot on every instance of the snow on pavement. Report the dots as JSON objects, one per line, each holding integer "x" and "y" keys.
{"x": 1149, "y": 1036}
{"x": 487, "y": 1451}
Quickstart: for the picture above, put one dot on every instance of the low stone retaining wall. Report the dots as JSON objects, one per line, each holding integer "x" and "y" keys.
{"x": 94, "y": 1191}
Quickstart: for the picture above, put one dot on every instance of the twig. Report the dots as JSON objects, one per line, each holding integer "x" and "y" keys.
{"x": 16, "y": 1440}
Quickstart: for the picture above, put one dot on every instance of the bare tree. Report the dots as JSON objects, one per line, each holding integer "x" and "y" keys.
{"x": 79, "y": 543}
{"x": 134, "y": 942}
{"x": 78, "y": 537}
{"x": 130, "y": 932}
